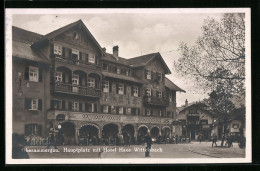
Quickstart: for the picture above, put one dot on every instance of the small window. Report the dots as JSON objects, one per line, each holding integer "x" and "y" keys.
{"x": 91, "y": 58}
{"x": 160, "y": 94}
{"x": 75, "y": 79}
{"x": 148, "y": 74}
{"x": 159, "y": 77}
{"x": 235, "y": 126}
{"x": 120, "y": 89}
{"x": 91, "y": 82}
{"x": 34, "y": 105}
{"x": 121, "y": 110}
{"x": 148, "y": 92}
{"x": 148, "y": 112}
{"x": 106, "y": 86}
{"x": 105, "y": 109}
{"x": 33, "y": 74}
{"x": 75, "y": 35}
{"x": 58, "y": 76}
{"x": 170, "y": 97}
{"x": 57, "y": 49}
{"x": 127, "y": 72}
{"x": 118, "y": 70}
{"x": 128, "y": 110}
{"x": 135, "y": 91}
{"x": 160, "y": 113}
{"x": 33, "y": 129}
{"x": 193, "y": 111}
{"x": 204, "y": 122}
{"x": 75, "y": 54}
{"x": 75, "y": 106}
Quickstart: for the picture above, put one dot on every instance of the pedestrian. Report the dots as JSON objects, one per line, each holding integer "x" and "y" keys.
{"x": 148, "y": 141}
{"x": 176, "y": 139}
{"x": 52, "y": 141}
{"x": 200, "y": 138}
{"x": 214, "y": 141}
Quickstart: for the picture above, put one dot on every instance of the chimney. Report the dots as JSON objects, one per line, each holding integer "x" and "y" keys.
{"x": 186, "y": 103}
{"x": 104, "y": 49}
{"x": 115, "y": 51}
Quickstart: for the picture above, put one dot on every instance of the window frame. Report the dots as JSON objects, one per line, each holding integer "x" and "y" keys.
{"x": 160, "y": 94}
{"x": 105, "y": 110}
{"x": 150, "y": 92}
{"x": 118, "y": 70}
{"x": 92, "y": 58}
{"x": 106, "y": 86}
{"x": 34, "y": 106}
{"x": 136, "y": 91}
{"x": 35, "y": 76}
{"x": 73, "y": 106}
{"x": 121, "y": 86}
{"x": 58, "y": 76}
{"x": 57, "y": 49}
{"x": 148, "y": 74}
{"x": 91, "y": 82}
{"x": 75, "y": 79}
{"x": 119, "y": 110}
{"x": 170, "y": 97}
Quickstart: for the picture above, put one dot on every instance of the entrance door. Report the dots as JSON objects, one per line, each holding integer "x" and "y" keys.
{"x": 192, "y": 134}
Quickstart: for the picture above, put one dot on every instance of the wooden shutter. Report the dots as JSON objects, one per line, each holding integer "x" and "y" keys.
{"x": 39, "y": 130}
{"x": 145, "y": 112}
{"x": 70, "y": 105}
{"x": 151, "y": 112}
{"x": 124, "y": 110}
{"x": 63, "y": 77}
{"x": 157, "y": 94}
{"x": 80, "y": 56}
{"x": 110, "y": 86}
{"x": 162, "y": 94}
{"x": 163, "y": 77}
{"x": 145, "y": 74}
{"x": 139, "y": 91}
{"x": 96, "y": 60}
{"x": 40, "y": 75}
{"x": 63, "y": 52}
{"x": 151, "y": 92}
{"x": 52, "y": 104}
{"x": 40, "y": 104}
{"x": 117, "y": 110}
{"x": 124, "y": 88}
{"x": 63, "y": 104}
{"x": 109, "y": 109}
{"x": 52, "y": 50}
{"x": 26, "y": 129}
{"x": 86, "y": 58}
{"x": 80, "y": 80}
{"x": 27, "y": 103}
{"x": 138, "y": 111}
{"x": 101, "y": 108}
{"x": 70, "y": 53}
{"x": 80, "y": 107}
{"x": 117, "y": 88}
{"x": 26, "y": 73}
{"x": 132, "y": 90}
{"x": 95, "y": 107}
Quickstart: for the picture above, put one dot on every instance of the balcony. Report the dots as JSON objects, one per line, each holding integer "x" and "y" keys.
{"x": 77, "y": 63}
{"x": 75, "y": 89}
{"x": 150, "y": 100}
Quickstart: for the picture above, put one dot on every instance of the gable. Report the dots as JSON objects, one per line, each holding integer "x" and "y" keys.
{"x": 158, "y": 63}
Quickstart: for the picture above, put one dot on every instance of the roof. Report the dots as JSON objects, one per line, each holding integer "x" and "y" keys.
{"x": 21, "y": 45}
{"x": 238, "y": 114}
{"x": 201, "y": 106}
{"x": 145, "y": 59}
{"x": 111, "y": 58}
{"x": 172, "y": 86}
{"x": 122, "y": 77}
{"x": 61, "y": 30}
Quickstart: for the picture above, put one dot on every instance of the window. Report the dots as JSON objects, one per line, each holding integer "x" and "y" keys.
{"x": 127, "y": 72}
{"x": 148, "y": 112}
{"x": 193, "y": 111}
{"x": 58, "y": 76}
{"x": 148, "y": 92}
{"x": 169, "y": 114}
{"x": 183, "y": 121}
{"x": 128, "y": 110}
{"x": 118, "y": 70}
{"x": 120, "y": 110}
{"x": 58, "y": 104}
{"x": 91, "y": 58}
{"x": 235, "y": 126}
{"x": 159, "y": 94}
{"x": 33, "y": 104}
{"x": 120, "y": 89}
{"x": 170, "y": 97}
{"x": 75, "y": 79}
{"x": 113, "y": 109}
{"x": 60, "y": 117}
{"x": 75, "y": 106}
{"x": 57, "y": 49}
{"x": 135, "y": 91}
{"x": 91, "y": 82}
{"x": 105, "y": 109}
{"x": 160, "y": 113}
{"x": 106, "y": 86}
{"x": 33, "y": 129}
{"x": 148, "y": 74}
{"x": 204, "y": 122}
{"x": 105, "y": 67}
{"x": 33, "y": 74}
{"x": 159, "y": 76}
{"x": 75, "y": 35}
{"x": 75, "y": 54}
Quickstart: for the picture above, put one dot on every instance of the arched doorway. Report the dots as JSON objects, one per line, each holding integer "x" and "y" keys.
{"x": 68, "y": 130}
{"x": 155, "y": 133}
{"x": 128, "y": 134}
{"x": 88, "y": 135}
{"x": 109, "y": 133}
{"x": 142, "y": 131}
{"x": 166, "y": 132}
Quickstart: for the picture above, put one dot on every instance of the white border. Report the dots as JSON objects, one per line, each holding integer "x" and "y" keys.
{"x": 9, "y": 100}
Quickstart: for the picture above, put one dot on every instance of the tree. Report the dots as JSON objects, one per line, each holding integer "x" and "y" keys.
{"x": 218, "y": 55}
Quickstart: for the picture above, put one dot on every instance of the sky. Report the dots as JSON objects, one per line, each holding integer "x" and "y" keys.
{"x": 136, "y": 34}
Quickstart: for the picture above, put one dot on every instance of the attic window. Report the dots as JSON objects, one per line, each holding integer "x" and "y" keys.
{"x": 75, "y": 35}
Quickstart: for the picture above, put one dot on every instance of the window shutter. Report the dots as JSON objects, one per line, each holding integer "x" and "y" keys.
{"x": 96, "y": 60}
{"x": 132, "y": 91}
{"x": 26, "y": 73}
{"x": 124, "y": 89}
{"x": 40, "y": 75}
{"x": 95, "y": 107}
{"x": 80, "y": 56}
{"x": 63, "y": 104}
{"x": 116, "y": 88}
{"x": 80, "y": 107}
{"x": 109, "y": 109}
{"x": 40, "y": 104}
{"x": 26, "y": 129}
{"x": 70, "y": 53}
{"x": 145, "y": 74}
{"x": 110, "y": 87}
{"x": 162, "y": 94}
{"x": 63, "y": 52}
{"x": 86, "y": 107}
{"x": 138, "y": 111}
{"x": 52, "y": 104}
{"x": 157, "y": 94}
{"x": 139, "y": 91}
{"x": 40, "y": 130}
{"x": 163, "y": 77}
{"x": 117, "y": 110}
{"x": 145, "y": 111}
{"x": 151, "y": 112}
{"x": 52, "y": 50}
{"x": 80, "y": 80}
{"x": 86, "y": 59}
{"x": 28, "y": 103}
{"x": 70, "y": 105}
{"x": 124, "y": 110}
{"x": 151, "y": 92}
{"x": 102, "y": 108}
{"x": 63, "y": 77}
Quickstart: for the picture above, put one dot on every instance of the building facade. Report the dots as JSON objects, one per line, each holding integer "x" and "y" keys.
{"x": 65, "y": 78}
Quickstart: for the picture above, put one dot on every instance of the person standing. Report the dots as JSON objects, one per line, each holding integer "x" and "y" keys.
{"x": 148, "y": 141}
{"x": 52, "y": 141}
{"x": 200, "y": 138}
{"x": 214, "y": 141}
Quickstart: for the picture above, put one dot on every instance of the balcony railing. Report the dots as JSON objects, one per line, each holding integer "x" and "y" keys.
{"x": 77, "y": 62}
{"x": 150, "y": 100}
{"x": 75, "y": 89}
